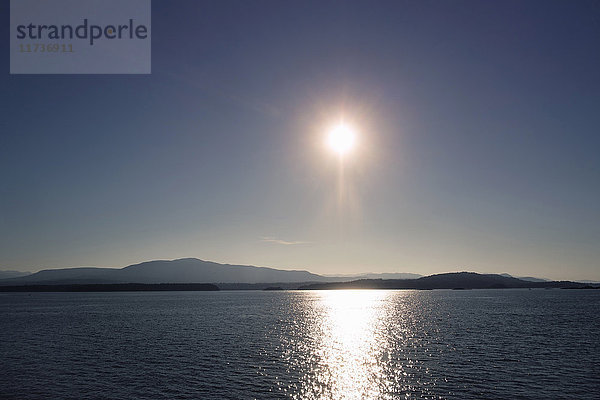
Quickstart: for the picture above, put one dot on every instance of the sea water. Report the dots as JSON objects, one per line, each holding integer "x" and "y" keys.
{"x": 344, "y": 344}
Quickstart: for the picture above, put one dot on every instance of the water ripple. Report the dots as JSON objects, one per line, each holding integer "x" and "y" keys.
{"x": 494, "y": 344}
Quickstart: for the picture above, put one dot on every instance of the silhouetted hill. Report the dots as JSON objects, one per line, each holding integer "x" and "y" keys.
{"x": 194, "y": 270}
{"x": 462, "y": 280}
{"x": 186, "y": 270}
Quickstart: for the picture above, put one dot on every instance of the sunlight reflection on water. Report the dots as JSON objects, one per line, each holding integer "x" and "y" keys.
{"x": 351, "y": 347}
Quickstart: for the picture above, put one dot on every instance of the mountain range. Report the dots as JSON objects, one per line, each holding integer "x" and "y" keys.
{"x": 227, "y": 276}
{"x": 185, "y": 270}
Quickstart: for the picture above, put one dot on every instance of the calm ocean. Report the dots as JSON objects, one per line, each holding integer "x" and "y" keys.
{"x": 479, "y": 344}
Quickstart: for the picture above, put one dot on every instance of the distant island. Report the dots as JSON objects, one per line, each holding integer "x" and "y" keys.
{"x": 185, "y": 270}
{"x": 114, "y": 287}
{"x": 195, "y": 274}
{"x": 453, "y": 280}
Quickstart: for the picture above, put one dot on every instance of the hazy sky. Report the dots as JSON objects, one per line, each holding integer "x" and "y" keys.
{"x": 477, "y": 147}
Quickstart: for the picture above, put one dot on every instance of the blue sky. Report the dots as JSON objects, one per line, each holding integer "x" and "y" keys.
{"x": 477, "y": 126}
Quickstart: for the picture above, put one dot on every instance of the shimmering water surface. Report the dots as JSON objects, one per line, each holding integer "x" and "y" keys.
{"x": 480, "y": 344}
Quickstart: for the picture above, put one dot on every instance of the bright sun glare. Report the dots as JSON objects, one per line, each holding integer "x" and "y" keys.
{"x": 341, "y": 139}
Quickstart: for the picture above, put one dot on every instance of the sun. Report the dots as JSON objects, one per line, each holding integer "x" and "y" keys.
{"x": 341, "y": 139}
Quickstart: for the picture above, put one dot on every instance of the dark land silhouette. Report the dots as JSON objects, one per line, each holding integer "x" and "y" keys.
{"x": 176, "y": 274}
{"x": 185, "y": 270}
{"x": 113, "y": 287}
{"x": 454, "y": 280}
